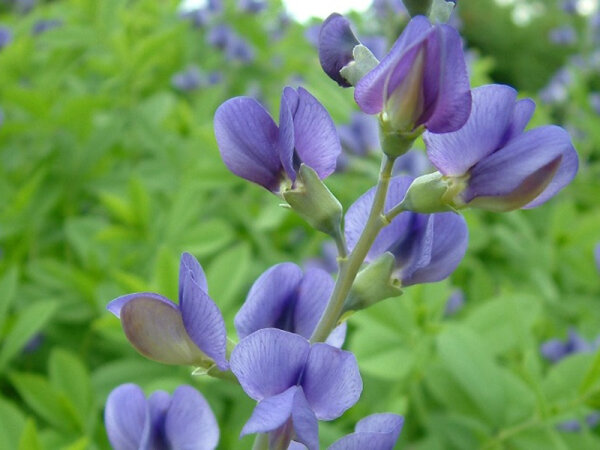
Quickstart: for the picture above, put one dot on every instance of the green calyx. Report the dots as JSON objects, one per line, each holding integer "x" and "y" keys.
{"x": 314, "y": 202}
{"x": 373, "y": 284}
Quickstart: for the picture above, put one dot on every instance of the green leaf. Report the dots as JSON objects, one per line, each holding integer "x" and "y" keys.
{"x": 29, "y": 438}
{"x": 8, "y": 288}
{"x": 12, "y": 422}
{"x": 592, "y": 376}
{"x": 29, "y": 322}
{"x": 471, "y": 366}
{"x": 42, "y": 398}
{"x": 69, "y": 376}
{"x": 227, "y": 276}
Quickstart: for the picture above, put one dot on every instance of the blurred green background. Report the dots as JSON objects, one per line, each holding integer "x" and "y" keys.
{"x": 109, "y": 170}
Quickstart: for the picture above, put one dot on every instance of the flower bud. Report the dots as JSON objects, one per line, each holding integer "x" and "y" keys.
{"x": 428, "y": 194}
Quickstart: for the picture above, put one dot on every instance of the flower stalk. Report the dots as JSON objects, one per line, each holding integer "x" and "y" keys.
{"x": 349, "y": 268}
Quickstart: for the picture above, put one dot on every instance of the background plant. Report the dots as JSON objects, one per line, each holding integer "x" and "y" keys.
{"x": 109, "y": 173}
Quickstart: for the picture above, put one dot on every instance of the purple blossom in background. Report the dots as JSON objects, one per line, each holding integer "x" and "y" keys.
{"x": 295, "y": 384}
{"x": 235, "y": 47}
{"x": 565, "y": 35}
{"x": 427, "y": 247}
{"x": 574, "y": 426}
{"x": 255, "y": 148}
{"x": 1, "y": 116}
{"x": 597, "y": 256}
{"x": 423, "y": 80}
{"x": 252, "y": 6}
{"x": 557, "y": 89}
{"x": 190, "y": 333}
{"x": 555, "y": 349}
{"x": 413, "y": 163}
{"x": 6, "y": 36}
{"x": 34, "y": 343}
{"x": 496, "y": 165}
{"x": 594, "y": 99}
{"x": 285, "y": 298}
{"x": 193, "y": 78}
{"x": 281, "y": 26}
{"x": 181, "y": 421}
{"x": 200, "y": 17}
{"x": 327, "y": 261}
{"x": 377, "y": 44}
{"x": 312, "y": 34}
{"x": 361, "y": 135}
{"x": 455, "y": 302}
{"x": 386, "y": 8}
{"x": 41, "y": 26}
{"x": 569, "y": 6}
{"x": 24, "y": 6}
{"x": 377, "y": 431}
{"x": 188, "y": 80}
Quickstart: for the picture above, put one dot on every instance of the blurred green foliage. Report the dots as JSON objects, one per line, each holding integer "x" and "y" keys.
{"x": 108, "y": 173}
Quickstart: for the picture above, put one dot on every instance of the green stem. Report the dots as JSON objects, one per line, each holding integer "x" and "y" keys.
{"x": 350, "y": 267}
{"x": 340, "y": 242}
{"x": 261, "y": 442}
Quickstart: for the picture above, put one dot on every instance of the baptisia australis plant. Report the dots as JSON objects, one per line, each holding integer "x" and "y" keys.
{"x": 402, "y": 232}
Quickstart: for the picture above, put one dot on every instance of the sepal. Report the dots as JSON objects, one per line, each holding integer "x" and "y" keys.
{"x": 373, "y": 284}
{"x": 314, "y": 202}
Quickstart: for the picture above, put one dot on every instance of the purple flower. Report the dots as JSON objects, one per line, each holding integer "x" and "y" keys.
{"x": 239, "y": 50}
{"x": 574, "y": 426}
{"x": 597, "y": 256}
{"x": 423, "y": 80}
{"x": 183, "y": 420}
{"x": 455, "y": 302}
{"x": 563, "y": 35}
{"x": 557, "y": 89}
{"x": 569, "y": 6}
{"x": 254, "y": 148}
{"x": 295, "y": 384}
{"x": 555, "y": 349}
{"x": 41, "y": 26}
{"x": 252, "y": 6}
{"x": 327, "y": 261}
{"x": 285, "y": 298}
{"x": 193, "y": 78}
{"x": 311, "y": 34}
{"x": 413, "y": 163}
{"x": 1, "y": 116}
{"x": 336, "y": 43}
{"x": 188, "y": 80}
{"x": 361, "y": 135}
{"x": 6, "y": 36}
{"x": 594, "y": 99}
{"x": 427, "y": 247}
{"x": 377, "y": 431}
{"x": 386, "y": 8}
{"x": 491, "y": 163}
{"x": 224, "y": 38}
{"x": 190, "y": 333}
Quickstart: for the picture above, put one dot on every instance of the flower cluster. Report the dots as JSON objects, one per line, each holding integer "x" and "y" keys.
{"x": 403, "y": 231}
